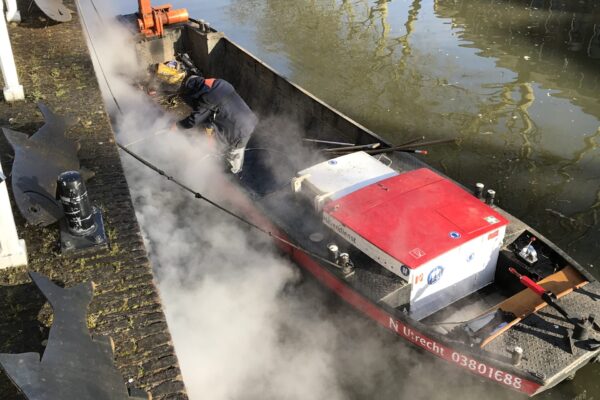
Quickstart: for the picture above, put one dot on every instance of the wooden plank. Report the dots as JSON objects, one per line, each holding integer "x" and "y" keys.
{"x": 526, "y": 302}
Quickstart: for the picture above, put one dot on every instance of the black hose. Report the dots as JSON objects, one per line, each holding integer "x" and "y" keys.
{"x": 196, "y": 194}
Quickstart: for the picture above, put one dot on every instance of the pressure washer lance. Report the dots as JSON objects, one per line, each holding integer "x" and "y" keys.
{"x": 352, "y": 148}
{"x": 318, "y": 141}
{"x": 409, "y": 148}
{"x": 157, "y": 133}
{"x": 582, "y": 325}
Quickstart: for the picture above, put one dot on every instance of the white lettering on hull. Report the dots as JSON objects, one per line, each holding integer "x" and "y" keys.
{"x": 462, "y": 360}
{"x": 429, "y": 344}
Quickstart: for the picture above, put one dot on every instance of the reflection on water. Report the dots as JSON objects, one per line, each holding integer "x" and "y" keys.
{"x": 516, "y": 82}
{"x": 553, "y": 49}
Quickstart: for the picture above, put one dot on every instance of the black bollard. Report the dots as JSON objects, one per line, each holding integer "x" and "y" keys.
{"x": 72, "y": 194}
{"x": 82, "y": 226}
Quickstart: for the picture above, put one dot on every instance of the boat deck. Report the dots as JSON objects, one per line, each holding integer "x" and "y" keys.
{"x": 547, "y": 353}
{"x": 543, "y": 337}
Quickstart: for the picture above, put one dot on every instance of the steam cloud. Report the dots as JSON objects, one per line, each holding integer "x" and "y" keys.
{"x": 245, "y": 324}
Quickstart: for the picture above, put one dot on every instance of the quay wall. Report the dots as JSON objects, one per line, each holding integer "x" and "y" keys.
{"x": 55, "y": 68}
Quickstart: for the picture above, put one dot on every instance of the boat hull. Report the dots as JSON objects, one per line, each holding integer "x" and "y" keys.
{"x": 273, "y": 96}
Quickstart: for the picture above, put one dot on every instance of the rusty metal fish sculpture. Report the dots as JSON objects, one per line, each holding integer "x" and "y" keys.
{"x": 39, "y": 159}
{"x": 74, "y": 365}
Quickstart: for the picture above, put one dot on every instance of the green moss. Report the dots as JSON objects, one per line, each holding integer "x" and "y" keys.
{"x": 92, "y": 320}
{"x": 112, "y": 234}
{"x": 129, "y": 348}
{"x": 117, "y": 266}
{"x": 35, "y": 95}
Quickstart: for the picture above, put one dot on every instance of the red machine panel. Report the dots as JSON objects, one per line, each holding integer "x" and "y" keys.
{"x": 415, "y": 217}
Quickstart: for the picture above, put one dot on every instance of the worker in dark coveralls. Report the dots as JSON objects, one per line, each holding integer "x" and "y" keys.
{"x": 217, "y": 107}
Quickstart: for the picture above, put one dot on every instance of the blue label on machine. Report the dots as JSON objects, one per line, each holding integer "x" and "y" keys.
{"x": 435, "y": 275}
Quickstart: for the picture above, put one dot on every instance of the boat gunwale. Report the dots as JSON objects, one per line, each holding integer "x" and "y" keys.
{"x": 544, "y": 383}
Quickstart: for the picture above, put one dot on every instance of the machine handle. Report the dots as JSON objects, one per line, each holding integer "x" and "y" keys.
{"x": 525, "y": 280}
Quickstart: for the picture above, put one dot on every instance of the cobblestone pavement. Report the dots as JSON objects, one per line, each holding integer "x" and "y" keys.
{"x": 54, "y": 67}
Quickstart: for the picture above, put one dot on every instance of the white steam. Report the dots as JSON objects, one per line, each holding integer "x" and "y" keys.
{"x": 244, "y": 323}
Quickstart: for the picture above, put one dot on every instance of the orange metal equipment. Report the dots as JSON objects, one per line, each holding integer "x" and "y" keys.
{"x": 153, "y": 19}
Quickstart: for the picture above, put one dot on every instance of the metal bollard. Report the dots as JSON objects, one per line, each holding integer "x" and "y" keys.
{"x": 73, "y": 196}
{"x": 346, "y": 264}
{"x": 334, "y": 252}
{"x": 491, "y": 195}
{"x": 82, "y": 226}
{"x": 479, "y": 190}
{"x": 517, "y": 355}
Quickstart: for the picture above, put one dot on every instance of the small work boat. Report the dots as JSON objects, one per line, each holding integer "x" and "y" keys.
{"x": 437, "y": 264}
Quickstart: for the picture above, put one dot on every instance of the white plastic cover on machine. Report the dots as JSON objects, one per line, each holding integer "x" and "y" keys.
{"x": 335, "y": 178}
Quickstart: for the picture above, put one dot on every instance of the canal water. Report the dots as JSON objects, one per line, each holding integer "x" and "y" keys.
{"x": 515, "y": 82}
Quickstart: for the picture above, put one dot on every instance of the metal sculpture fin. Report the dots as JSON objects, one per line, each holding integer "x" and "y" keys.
{"x": 74, "y": 365}
{"x": 39, "y": 159}
{"x": 15, "y": 138}
{"x": 22, "y": 369}
{"x": 77, "y": 297}
{"x": 54, "y": 127}
{"x": 54, "y": 9}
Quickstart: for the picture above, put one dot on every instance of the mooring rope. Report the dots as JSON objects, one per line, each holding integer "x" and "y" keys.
{"x": 213, "y": 203}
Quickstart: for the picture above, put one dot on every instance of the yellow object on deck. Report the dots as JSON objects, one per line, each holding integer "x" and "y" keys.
{"x": 169, "y": 75}
{"x": 527, "y": 302}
